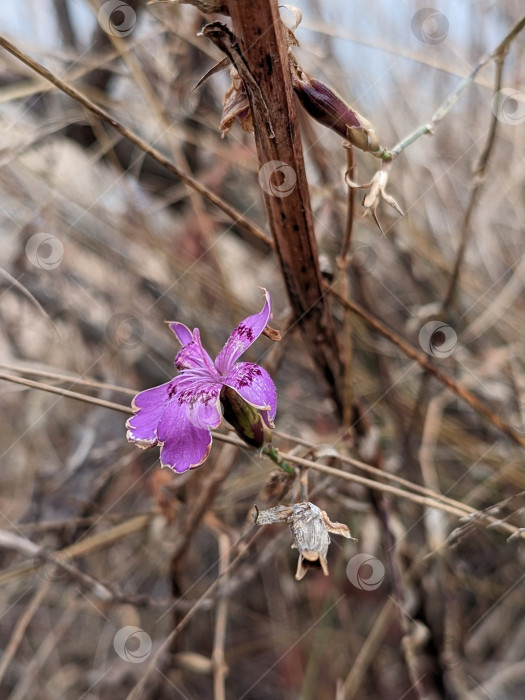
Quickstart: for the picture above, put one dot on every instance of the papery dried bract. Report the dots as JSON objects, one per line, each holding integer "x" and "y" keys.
{"x": 310, "y": 527}
{"x": 236, "y": 106}
{"x": 377, "y": 190}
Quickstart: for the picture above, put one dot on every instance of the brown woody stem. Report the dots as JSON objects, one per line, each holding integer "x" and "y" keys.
{"x": 258, "y": 50}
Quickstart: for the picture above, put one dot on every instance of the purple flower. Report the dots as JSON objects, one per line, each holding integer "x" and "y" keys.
{"x": 179, "y": 415}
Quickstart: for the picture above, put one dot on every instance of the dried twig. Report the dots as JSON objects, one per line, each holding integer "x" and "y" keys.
{"x": 426, "y": 363}
{"x": 220, "y": 668}
{"x": 131, "y": 136}
{"x": 22, "y": 625}
{"x": 479, "y": 171}
{"x": 454, "y": 507}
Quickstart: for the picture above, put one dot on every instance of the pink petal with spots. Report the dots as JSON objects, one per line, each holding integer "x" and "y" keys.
{"x": 255, "y": 385}
{"x": 192, "y": 355}
{"x": 199, "y": 398}
{"x": 242, "y": 337}
{"x": 184, "y": 446}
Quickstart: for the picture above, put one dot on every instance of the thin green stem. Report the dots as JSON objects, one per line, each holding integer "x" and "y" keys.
{"x": 273, "y": 454}
{"x": 451, "y": 100}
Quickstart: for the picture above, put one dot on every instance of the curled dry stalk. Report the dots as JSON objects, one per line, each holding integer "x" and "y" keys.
{"x": 478, "y": 171}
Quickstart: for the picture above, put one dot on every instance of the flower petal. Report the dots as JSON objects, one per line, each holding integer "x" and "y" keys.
{"x": 184, "y": 446}
{"x": 149, "y": 406}
{"x": 183, "y": 333}
{"x": 192, "y": 355}
{"x": 199, "y": 398}
{"x": 242, "y": 337}
{"x": 255, "y": 385}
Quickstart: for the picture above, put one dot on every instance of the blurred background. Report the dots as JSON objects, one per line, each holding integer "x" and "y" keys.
{"x": 100, "y": 245}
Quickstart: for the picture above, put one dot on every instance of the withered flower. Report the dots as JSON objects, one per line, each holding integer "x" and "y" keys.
{"x": 328, "y": 108}
{"x": 310, "y": 527}
{"x": 377, "y": 190}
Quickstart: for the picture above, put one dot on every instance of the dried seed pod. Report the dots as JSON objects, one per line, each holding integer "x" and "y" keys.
{"x": 310, "y": 527}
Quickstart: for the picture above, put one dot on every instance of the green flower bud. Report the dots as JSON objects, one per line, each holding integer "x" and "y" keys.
{"x": 247, "y": 420}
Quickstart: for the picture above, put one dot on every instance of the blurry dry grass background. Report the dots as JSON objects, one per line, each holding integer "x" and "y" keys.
{"x": 139, "y": 248}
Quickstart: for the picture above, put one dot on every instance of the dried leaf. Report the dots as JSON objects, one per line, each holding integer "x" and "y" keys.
{"x": 272, "y": 333}
{"x": 236, "y": 106}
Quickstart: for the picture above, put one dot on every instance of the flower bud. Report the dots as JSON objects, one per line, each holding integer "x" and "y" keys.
{"x": 247, "y": 420}
{"x": 329, "y": 109}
